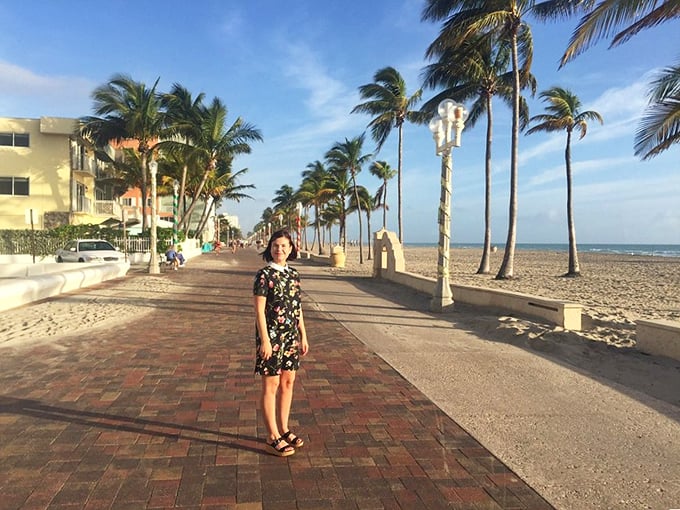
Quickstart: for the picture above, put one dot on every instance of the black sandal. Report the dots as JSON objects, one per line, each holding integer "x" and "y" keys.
{"x": 296, "y": 441}
{"x": 279, "y": 450}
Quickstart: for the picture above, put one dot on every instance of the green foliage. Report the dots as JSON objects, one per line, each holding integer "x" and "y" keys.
{"x": 46, "y": 242}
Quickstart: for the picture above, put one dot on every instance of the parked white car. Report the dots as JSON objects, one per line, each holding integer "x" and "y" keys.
{"x": 89, "y": 250}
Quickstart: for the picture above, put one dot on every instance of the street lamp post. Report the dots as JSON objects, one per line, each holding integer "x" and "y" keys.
{"x": 451, "y": 115}
{"x": 175, "y": 210}
{"x": 153, "y": 263}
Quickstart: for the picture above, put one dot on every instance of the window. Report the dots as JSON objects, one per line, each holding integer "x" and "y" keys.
{"x": 127, "y": 201}
{"x": 14, "y": 186}
{"x": 14, "y": 139}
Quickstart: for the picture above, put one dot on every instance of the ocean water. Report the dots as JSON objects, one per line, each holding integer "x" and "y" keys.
{"x": 646, "y": 250}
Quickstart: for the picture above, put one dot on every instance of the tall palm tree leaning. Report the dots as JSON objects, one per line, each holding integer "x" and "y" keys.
{"x": 383, "y": 171}
{"x": 348, "y": 156}
{"x": 391, "y": 105}
{"x": 477, "y": 70}
{"x": 467, "y": 19}
{"x": 183, "y": 118}
{"x": 126, "y": 110}
{"x": 564, "y": 115}
{"x": 213, "y": 144}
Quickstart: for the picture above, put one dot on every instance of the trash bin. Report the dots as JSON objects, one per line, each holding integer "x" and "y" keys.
{"x": 337, "y": 257}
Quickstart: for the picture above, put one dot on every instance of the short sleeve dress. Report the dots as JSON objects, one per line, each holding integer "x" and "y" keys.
{"x": 281, "y": 286}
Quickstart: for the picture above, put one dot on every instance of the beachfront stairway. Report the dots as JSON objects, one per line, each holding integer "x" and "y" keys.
{"x": 653, "y": 336}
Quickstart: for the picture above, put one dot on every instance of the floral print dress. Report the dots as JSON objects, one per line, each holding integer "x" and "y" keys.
{"x": 281, "y": 286}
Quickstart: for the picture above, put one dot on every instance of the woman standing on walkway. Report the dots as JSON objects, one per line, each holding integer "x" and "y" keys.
{"x": 280, "y": 339}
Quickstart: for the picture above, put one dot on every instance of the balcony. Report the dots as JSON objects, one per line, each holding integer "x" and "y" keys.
{"x": 109, "y": 208}
{"x": 86, "y": 166}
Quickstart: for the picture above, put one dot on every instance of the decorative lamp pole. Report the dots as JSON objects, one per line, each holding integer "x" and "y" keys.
{"x": 175, "y": 210}
{"x": 153, "y": 262}
{"x": 299, "y": 225}
{"x": 451, "y": 115}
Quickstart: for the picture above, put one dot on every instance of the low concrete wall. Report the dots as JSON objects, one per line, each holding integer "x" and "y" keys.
{"x": 660, "y": 337}
{"x": 389, "y": 264}
{"x": 21, "y": 291}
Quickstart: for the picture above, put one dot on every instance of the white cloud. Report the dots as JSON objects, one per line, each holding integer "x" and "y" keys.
{"x": 24, "y": 93}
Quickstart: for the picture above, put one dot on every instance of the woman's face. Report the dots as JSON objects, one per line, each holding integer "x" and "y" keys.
{"x": 280, "y": 250}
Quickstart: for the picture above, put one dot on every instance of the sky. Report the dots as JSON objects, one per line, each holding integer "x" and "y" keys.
{"x": 292, "y": 69}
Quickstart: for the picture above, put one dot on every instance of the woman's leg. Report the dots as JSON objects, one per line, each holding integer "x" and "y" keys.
{"x": 270, "y": 387}
{"x": 285, "y": 398}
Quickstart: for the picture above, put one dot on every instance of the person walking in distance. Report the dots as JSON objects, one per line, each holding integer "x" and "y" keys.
{"x": 280, "y": 339}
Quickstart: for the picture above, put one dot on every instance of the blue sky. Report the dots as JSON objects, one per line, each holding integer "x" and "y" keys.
{"x": 293, "y": 69}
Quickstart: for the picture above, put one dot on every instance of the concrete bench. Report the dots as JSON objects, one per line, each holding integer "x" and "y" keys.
{"x": 659, "y": 337}
{"x": 563, "y": 313}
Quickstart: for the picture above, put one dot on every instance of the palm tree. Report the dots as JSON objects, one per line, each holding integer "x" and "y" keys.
{"x": 315, "y": 191}
{"x": 607, "y": 17}
{"x": 367, "y": 204}
{"x": 284, "y": 202}
{"x": 224, "y": 186}
{"x": 383, "y": 171}
{"x": 336, "y": 208}
{"x": 183, "y": 118}
{"x": 478, "y": 70}
{"x": 126, "y": 110}
{"x": 659, "y": 127}
{"x": 348, "y": 156}
{"x": 564, "y": 115}
{"x": 334, "y": 212}
{"x": 392, "y": 106}
{"x": 464, "y": 20}
{"x": 660, "y": 124}
{"x": 213, "y": 143}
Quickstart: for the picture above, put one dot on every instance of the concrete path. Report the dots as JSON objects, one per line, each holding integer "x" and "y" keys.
{"x": 400, "y": 408}
{"x": 581, "y": 440}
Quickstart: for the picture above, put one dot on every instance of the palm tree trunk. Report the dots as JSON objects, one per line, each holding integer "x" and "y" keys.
{"x": 486, "y": 252}
{"x": 361, "y": 233}
{"x": 199, "y": 190}
{"x": 384, "y": 204}
{"x": 507, "y": 267}
{"x": 204, "y": 215}
{"x": 182, "y": 190}
{"x": 399, "y": 213}
{"x": 574, "y": 269}
{"x": 368, "y": 233}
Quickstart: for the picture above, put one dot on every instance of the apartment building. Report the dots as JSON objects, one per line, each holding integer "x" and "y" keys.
{"x": 48, "y": 178}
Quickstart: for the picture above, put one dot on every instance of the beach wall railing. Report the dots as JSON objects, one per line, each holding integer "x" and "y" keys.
{"x": 389, "y": 264}
{"x": 20, "y": 291}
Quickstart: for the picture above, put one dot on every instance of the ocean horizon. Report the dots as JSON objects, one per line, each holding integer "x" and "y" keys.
{"x": 647, "y": 250}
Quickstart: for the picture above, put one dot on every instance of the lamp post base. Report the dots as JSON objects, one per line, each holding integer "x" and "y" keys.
{"x": 442, "y": 299}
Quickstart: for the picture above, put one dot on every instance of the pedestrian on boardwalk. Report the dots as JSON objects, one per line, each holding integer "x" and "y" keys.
{"x": 280, "y": 339}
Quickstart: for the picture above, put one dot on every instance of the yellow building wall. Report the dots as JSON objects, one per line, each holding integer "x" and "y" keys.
{"x": 46, "y": 163}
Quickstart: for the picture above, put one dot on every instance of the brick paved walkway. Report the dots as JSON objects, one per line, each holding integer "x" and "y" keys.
{"x": 162, "y": 413}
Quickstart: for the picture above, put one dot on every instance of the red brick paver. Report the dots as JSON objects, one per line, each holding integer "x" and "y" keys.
{"x": 162, "y": 412}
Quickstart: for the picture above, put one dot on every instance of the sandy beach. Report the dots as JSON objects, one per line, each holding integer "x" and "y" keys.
{"x": 615, "y": 290}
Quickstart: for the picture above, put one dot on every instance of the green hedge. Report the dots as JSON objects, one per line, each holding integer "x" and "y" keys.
{"x": 46, "y": 242}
